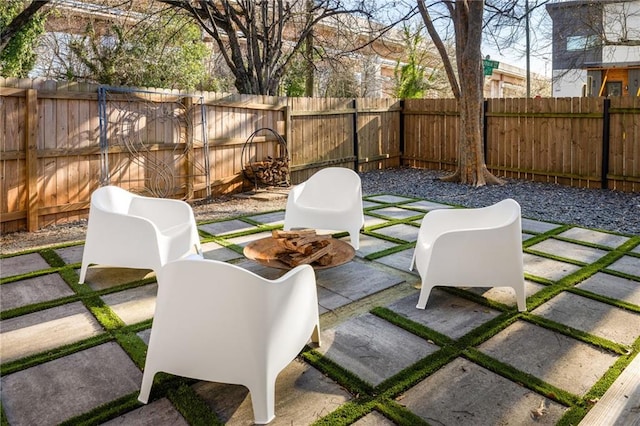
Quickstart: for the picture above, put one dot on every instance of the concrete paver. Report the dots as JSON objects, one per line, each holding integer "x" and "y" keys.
{"x": 21, "y": 264}
{"x": 463, "y": 393}
{"x": 45, "y": 330}
{"x": 160, "y": 412}
{"x": 612, "y": 286}
{"x": 372, "y": 348}
{"x": 594, "y": 317}
{"x": 369, "y": 245}
{"x": 389, "y": 199}
{"x": 70, "y": 255}
{"x": 555, "y": 358}
{"x": 400, "y": 231}
{"x": 537, "y": 226}
{"x": 447, "y": 314}
{"x": 595, "y": 237}
{"x": 569, "y": 250}
{"x": 427, "y": 205}
{"x": 134, "y": 305}
{"x": 33, "y": 290}
{"x": 396, "y": 212}
{"x": 400, "y": 260}
{"x": 215, "y": 251}
{"x": 50, "y": 393}
{"x": 506, "y": 295}
{"x": 626, "y": 264}
{"x": 226, "y": 227}
{"x": 544, "y": 267}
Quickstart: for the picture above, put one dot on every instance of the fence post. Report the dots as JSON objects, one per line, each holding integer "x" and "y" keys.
{"x": 31, "y": 158}
{"x": 485, "y": 122}
{"x": 606, "y": 127}
{"x": 401, "y": 133}
{"x": 356, "y": 150}
{"x": 189, "y": 117}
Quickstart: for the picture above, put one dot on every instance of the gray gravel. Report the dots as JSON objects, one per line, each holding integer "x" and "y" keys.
{"x": 593, "y": 208}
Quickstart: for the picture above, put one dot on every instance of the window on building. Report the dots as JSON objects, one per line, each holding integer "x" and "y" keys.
{"x": 583, "y": 42}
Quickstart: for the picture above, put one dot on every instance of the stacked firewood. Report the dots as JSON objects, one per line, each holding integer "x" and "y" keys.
{"x": 271, "y": 171}
{"x": 303, "y": 247}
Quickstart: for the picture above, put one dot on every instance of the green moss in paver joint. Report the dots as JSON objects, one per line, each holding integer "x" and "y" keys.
{"x": 52, "y": 258}
{"x": 412, "y": 375}
{"x": 105, "y": 412}
{"x": 525, "y": 379}
{"x": 50, "y": 355}
{"x": 580, "y": 335}
{"x": 133, "y": 345}
{"x": 413, "y": 327}
{"x": 352, "y": 383}
{"x": 604, "y": 299}
{"x": 3, "y": 417}
{"x": 391, "y": 250}
{"x": 488, "y": 329}
{"x": 398, "y": 414}
{"x": 192, "y": 407}
{"x": 347, "y": 413}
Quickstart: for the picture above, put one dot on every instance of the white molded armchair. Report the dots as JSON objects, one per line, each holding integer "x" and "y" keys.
{"x": 330, "y": 199}
{"x": 131, "y": 231}
{"x": 479, "y": 247}
{"x": 218, "y": 322}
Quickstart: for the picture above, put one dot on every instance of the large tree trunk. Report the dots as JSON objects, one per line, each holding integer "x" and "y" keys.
{"x": 467, "y": 87}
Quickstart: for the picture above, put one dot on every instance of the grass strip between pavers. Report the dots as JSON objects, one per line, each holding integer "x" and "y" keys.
{"x": 195, "y": 411}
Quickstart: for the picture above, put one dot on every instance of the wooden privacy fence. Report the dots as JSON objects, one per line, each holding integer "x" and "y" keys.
{"x": 59, "y": 142}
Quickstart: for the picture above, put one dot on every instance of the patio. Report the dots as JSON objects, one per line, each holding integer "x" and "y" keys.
{"x": 73, "y": 353}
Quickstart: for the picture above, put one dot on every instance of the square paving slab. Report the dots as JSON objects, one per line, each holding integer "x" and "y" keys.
{"x": 555, "y": 358}
{"x": 427, "y": 205}
{"x": 396, "y": 213}
{"x": 627, "y": 264}
{"x": 160, "y": 412}
{"x": 537, "y": 226}
{"x": 57, "y": 390}
{"x": 369, "y": 244}
{"x": 134, "y": 305}
{"x": 463, "y": 393}
{"x": 21, "y": 264}
{"x": 215, "y": 251}
{"x": 71, "y": 255}
{"x": 445, "y": 313}
{"x": 101, "y": 278}
{"x": 400, "y": 231}
{"x": 400, "y": 260}
{"x": 226, "y": 227}
{"x": 593, "y": 317}
{"x": 33, "y": 290}
{"x": 389, "y": 199}
{"x": 594, "y": 237}
{"x": 373, "y": 348}
{"x": 45, "y": 330}
{"x": 550, "y": 269}
{"x": 273, "y": 218}
{"x": 569, "y": 250}
{"x": 612, "y": 286}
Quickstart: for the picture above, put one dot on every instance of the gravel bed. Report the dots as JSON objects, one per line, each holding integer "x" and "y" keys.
{"x": 591, "y": 208}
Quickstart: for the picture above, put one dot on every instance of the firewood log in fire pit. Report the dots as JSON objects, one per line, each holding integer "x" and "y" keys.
{"x": 303, "y": 247}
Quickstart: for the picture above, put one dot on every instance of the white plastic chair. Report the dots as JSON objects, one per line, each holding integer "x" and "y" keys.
{"x": 131, "y": 231}
{"x": 479, "y": 247}
{"x": 330, "y": 199}
{"x": 218, "y": 322}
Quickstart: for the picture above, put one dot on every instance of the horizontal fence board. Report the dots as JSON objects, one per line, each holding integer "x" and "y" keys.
{"x": 558, "y": 140}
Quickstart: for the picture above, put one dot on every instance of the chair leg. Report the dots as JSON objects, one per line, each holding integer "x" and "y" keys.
{"x": 355, "y": 239}
{"x": 83, "y": 272}
{"x": 413, "y": 260}
{"x": 263, "y": 402}
{"x": 521, "y": 297}
{"x": 425, "y": 291}
{"x": 145, "y": 389}
{"x": 315, "y": 336}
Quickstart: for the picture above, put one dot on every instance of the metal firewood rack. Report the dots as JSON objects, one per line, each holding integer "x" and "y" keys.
{"x": 270, "y": 170}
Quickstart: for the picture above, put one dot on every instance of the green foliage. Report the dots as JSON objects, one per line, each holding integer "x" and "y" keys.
{"x": 165, "y": 52}
{"x": 19, "y": 57}
{"x": 411, "y": 79}
{"x": 294, "y": 81}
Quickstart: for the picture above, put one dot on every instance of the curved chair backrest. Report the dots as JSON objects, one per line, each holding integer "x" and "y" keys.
{"x": 332, "y": 186}
{"x": 112, "y": 199}
{"x": 217, "y": 322}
